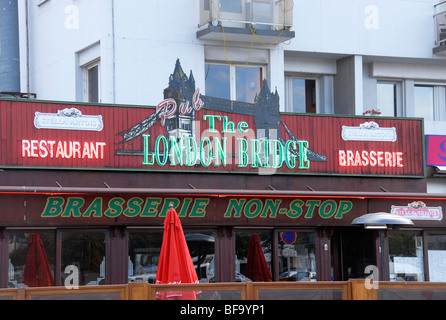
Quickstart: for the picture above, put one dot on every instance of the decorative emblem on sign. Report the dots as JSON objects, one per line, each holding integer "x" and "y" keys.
{"x": 418, "y": 210}
{"x": 68, "y": 119}
{"x": 369, "y": 131}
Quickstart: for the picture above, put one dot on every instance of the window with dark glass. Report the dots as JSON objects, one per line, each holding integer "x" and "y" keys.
{"x": 93, "y": 83}
{"x": 83, "y": 258}
{"x": 253, "y": 256}
{"x": 31, "y": 259}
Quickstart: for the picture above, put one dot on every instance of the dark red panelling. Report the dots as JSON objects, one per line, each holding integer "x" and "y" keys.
{"x": 323, "y": 134}
{"x": 324, "y": 137}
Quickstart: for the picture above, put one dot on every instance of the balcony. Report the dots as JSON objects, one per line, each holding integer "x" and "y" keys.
{"x": 440, "y": 27}
{"x": 259, "y": 21}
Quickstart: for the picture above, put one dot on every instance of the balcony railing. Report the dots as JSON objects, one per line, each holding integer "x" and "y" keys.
{"x": 440, "y": 27}
{"x": 242, "y": 18}
{"x": 265, "y": 14}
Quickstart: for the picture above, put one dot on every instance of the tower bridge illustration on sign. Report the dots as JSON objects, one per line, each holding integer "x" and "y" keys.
{"x": 178, "y": 114}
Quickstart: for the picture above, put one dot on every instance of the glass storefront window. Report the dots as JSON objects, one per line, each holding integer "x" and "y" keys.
{"x": 436, "y": 251}
{"x": 297, "y": 256}
{"x": 202, "y": 250}
{"x": 144, "y": 253}
{"x": 145, "y": 249}
{"x": 83, "y": 257}
{"x": 406, "y": 257}
{"x": 253, "y": 256}
{"x": 31, "y": 260}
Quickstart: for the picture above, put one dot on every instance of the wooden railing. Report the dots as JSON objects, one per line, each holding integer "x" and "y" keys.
{"x": 338, "y": 290}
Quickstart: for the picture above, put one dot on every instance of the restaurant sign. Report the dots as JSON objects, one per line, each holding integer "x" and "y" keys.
{"x": 206, "y": 210}
{"x": 79, "y": 207}
{"x": 189, "y": 131}
{"x": 418, "y": 210}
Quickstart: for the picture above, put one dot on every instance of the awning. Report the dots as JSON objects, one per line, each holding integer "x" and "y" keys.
{"x": 45, "y": 190}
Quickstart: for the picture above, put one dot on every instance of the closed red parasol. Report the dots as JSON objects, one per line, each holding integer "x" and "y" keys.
{"x": 37, "y": 271}
{"x": 175, "y": 264}
{"x": 256, "y": 267}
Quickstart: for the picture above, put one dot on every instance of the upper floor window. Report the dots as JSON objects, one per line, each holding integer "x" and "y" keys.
{"x": 91, "y": 74}
{"x": 430, "y": 102}
{"x": 389, "y": 98}
{"x": 300, "y": 96}
{"x": 228, "y": 82}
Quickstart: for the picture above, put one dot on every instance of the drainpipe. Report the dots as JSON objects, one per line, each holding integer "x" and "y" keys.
{"x": 9, "y": 48}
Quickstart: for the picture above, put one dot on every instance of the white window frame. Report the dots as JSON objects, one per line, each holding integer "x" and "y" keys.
{"x": 288, "y": 107}
{"x": 439, "y": 112}
{"x": 399, "y": 96}
{"x": 232, "y": 76}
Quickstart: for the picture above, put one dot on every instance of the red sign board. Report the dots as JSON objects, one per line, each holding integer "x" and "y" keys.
{"x": 58, "y": 135}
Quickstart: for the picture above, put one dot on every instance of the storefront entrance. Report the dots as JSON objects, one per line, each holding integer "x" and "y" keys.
{"x": 352, "y": 249}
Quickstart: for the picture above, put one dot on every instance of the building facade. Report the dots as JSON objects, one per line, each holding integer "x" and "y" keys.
{"x": 286, "y": 119}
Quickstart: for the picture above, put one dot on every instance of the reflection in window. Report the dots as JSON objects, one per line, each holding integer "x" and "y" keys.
{"x": 406, "y": 257}
{"x": 86, "y": 252}
{"x": 300, "y": 95}
{"x": 93, "y": 84}
{"x": 145, "y": 249}
{"x": 144, "y": 253}
{"x": 386, "y": 98}
{"x": 248, "y": 83}
{"x": 202, "y": 251}
{"x": 217, "y": 81}
{"x": 231, "y": 83}
{"x": 31, "y": 260}
{"x": 424, "y": 102}
{"x": 436, "y": 250}
{"x": 231, "y": 6}
{"x": 297, "y": 256}
{"x": 253, "y": 256}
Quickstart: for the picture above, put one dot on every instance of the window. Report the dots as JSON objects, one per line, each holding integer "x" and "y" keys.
{"x": 430, "y": 102}
{"x": 388, "y": 98}
{"x": 83, "y": 255}
{"x": 31, "y": 259}
{"x": 145, "y": 249}
{"x": 234, "y": 6}
{"x": 406, "y": 256}
{"x": 144, "y": 252}
{"x": 228, "y": 82}
{"x": 253, "y": 256}
{"x": 297, "y": 256}
{"x": 424, "y": 102}
{"x": 300, "y": 95}
{"x": 436, "y": 251}
{"x": 92, "y": 83}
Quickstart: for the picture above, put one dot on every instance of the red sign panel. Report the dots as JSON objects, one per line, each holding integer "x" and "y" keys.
{"x": 57, "y": 135}
{"x": 436, "y": 150}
